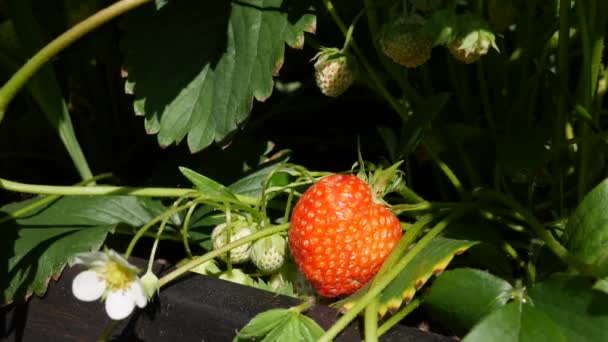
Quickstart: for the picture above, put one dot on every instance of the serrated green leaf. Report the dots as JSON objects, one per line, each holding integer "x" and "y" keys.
{"x": 262, "y": 324}
{"x": 207, "y": 186}
{"x": 197, "y": 66}
{"x": 586, "y": 234}
{"x": 310, "y": 330}
{"x": 280, "y": 325}
{"x": 460, "y": 298}
{"x": 37, "y": 246}
{"x": 517, "y": 322}
{"x": 433, "y": 259}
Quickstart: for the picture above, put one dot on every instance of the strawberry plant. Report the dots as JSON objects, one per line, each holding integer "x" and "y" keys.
{"x": 428, "y": 163}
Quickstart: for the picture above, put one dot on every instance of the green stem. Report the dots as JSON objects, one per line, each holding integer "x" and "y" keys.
{"x": 20, "y": 78}
{"x": 307, "y": 304}
{"x": 447, "y": 171}
{"x": 386, "y": 278}
{"x": 397, "y": 317}
{"x": 349, "y": 33}
{"x": 422, "y": 206}
{"x": 554, "y": 245}
{"x": 217, "y": 252}
{"x": 370, "y": 70}
{"x": 44, "y": 200}
{"x": 395, "y": 71}
{"x": 185, "y": 230}
{"x": 159, "y": 233}
{"x": 406, "y": 191}
{"x": 371, "y": 321}
{"x": 592, "y": 24}
{"x": 107, "y": 190}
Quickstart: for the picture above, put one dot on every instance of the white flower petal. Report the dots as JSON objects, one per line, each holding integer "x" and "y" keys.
{"x": 119, "y": 305}
{"x": 116, "y": 257}
{"x": 88, "y": 286}
{"x": 137, "y": 294}
{"x": 90, "y": 259}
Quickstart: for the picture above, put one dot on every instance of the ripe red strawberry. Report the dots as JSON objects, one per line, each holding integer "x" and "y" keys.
{"x": 339, "y": 236}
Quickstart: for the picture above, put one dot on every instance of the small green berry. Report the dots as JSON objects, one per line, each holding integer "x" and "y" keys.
{"x": 238, "y": 230}
{"x": 268, "y": 253}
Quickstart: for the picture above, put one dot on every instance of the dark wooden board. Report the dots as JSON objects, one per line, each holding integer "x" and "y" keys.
{"x": 194, "y": 308}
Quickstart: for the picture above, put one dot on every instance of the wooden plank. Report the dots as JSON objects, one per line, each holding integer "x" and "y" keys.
{"x": 195, "y": 308}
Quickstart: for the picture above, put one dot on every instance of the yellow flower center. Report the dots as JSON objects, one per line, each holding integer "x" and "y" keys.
{"x": 118, "y": 277}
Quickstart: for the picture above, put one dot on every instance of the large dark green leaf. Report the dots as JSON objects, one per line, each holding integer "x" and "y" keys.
{"x": 571, "y": 302}
{"x": 562, "y": 308}
{"x": 462, "y": 297}
{"x": 516, "y": 322}
{"x": 586, "y": 234}
{"x": 36, "y": 247}
{"x": 195, "y": 66}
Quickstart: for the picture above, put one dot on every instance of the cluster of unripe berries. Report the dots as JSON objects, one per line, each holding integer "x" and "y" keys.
{"x": 267, "y": 253}
{"x": 407, "y": 41}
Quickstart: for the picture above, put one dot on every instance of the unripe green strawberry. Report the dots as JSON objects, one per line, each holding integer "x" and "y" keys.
{"x": 334, "y": 71}
{"x": 470, "y": 47}
{"x": 237, "y": 276}
{"x": 268, "y": 253}
{"x": 237, "y": 230}
{"x": 340, "y": 235}
{"x": 406, "y": 43}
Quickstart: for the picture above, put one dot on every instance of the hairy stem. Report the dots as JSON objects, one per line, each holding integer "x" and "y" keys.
{"x": 107, "y": 190}
{"x": 48, "y": 199}
{"x": 371, "y": 321}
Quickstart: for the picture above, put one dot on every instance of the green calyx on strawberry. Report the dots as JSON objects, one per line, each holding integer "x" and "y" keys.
{"x": 224, "y": 234}
{"x": 335, "y": 71}
{"x": 405, "y": 41}
{"x": 341, "y": 232}
{"x": 474, "y": 40}
{"x": 268, "y": 253}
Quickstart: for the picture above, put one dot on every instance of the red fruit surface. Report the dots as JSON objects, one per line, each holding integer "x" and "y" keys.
{"x": 339, "y": 236}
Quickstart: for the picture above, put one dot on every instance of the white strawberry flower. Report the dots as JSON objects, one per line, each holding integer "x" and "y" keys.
{"x": 112, "y": 278}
